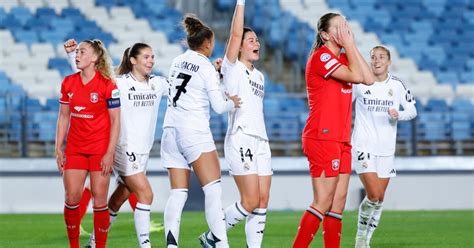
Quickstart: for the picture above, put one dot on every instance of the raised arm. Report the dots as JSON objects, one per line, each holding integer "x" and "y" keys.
{"x": 236, "y": 32}
{"x": 70, "y": 48}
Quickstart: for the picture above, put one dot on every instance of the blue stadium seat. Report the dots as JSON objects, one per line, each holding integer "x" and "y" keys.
{"x": 22, "y": 14}
{"x": 437, "y": 105}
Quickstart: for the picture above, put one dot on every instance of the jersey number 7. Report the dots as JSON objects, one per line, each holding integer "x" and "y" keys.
{"x": 181, "y": 88}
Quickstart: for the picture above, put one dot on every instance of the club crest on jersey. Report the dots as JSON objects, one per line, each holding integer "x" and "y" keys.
{"x": 325, "y": 57}
{"x": 335, "y": 164}
{"x": 94, "y": 97}
{"x": 390, "y": 92}
{"x": 152, "y": 87}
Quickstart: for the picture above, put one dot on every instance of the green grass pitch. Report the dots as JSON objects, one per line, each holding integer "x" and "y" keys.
{"x": 397, "y": 229}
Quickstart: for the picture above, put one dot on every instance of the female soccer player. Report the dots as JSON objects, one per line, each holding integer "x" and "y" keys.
{"x": 187, "y": 139}
{"x": 330, "y": 74}
{"x": 140, "y": 95}
{"x": 246, "y": 144}
{"x": 90, "y": 114}
{"x": 374, "y": 138}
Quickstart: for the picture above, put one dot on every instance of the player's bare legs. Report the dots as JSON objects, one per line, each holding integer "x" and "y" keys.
{"x": 370, "y": 208}
{"x": 332, "y": 224}
{"x": 179, "y": 181}
{"x": 99, "y": 190}
{"x": 208, "y": 172}
{"x": 118, "y": 197}
{"x": 324, "y": 189}
{"x": 73, "y": 181}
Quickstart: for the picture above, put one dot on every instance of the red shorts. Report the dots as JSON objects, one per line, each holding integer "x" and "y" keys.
{"x": 77, "y": 161}
{"x": 332, "y": 157}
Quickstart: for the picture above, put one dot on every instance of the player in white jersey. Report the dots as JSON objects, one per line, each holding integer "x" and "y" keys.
{"x": 246, "y": 146}
{"x": 374, "y": 137}
{"x": 187, "y": 139}
{"x": 140, "y": 92}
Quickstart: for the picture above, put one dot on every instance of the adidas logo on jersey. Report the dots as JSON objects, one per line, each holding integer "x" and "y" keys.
{"x": 132, "y": 89}
{"x": 367, "y": 92}
{"x": 393, "y": 171}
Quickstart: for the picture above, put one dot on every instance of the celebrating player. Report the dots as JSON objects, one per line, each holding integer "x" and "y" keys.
{"x": 187, "y": 139}
{"x": 90, "y": 114}
{"x": 326, "y": 136}
{"x": 374, "y": 138}
{"x": 140, "y": 95}
{"x": 246, "y": 144}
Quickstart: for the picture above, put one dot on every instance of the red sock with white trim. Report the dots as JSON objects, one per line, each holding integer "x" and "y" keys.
{"x": 309, "y": 226}
{"x": 132, "y": 199}
{"x": 332, "y": 229}
{"x": 72, "y": 220}
{"x": 101, "y": 225}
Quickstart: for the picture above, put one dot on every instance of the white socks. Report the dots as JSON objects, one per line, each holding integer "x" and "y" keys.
{"x": 214, "y": 212}
{"x": 366, "y": 210}
{"x": 142, "y": 224}
{"x": 255, "y": 227}
{"x": 234, "y": 214}
{"x": 172, "y": 216}
{"x": 374, "y": 221}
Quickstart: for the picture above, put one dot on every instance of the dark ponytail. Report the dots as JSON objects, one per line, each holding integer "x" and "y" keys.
{"x": 131, "y": 52}
{"x": 197, "y": 31}
{"x": 323, "y": 25}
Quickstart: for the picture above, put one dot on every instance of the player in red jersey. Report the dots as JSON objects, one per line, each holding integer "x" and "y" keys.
{"x": 326, "y": 136}
{"x": 90, "y": 114}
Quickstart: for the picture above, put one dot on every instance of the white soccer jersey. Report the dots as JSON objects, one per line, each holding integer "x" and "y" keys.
{"x": 374, "y": 131}
{"x": 193, "y": 81}
{"x": 249, "y": 86}
{"x": 140, "y": 102}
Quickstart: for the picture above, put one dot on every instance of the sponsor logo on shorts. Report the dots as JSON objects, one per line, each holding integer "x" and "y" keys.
{"x": 94, "y": 97}
{"x": 325, "y": 57}
{"x": 335, "y": 164}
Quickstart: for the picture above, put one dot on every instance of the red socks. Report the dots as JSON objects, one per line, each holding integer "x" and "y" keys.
{"x": 86, "y": 197}
{"x": 309, "y": 225}
{"x": 101, "y": 225}
{"x": 72, "y": 218}
{"x": 132, "y": 199}
{"x": 332, "y": 228}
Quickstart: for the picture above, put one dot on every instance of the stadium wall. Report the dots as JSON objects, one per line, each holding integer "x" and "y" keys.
{"x": 423, "y": 183}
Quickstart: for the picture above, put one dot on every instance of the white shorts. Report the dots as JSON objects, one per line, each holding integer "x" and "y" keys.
{"x": 247, "y": 154}
{"x": 364, "y": 162}
{"x": 181, "y": 147}
{"x": 128, "y": 163}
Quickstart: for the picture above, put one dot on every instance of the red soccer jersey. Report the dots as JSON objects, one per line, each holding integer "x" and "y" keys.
{"x": 89, "y": 126}
{"x": 330, "y": 100}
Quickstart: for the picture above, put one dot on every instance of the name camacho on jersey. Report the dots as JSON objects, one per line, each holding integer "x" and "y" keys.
{"x": 249, "y": 86}
{"x": 140, "y": 105}
{"x": 192, "y": 76}
{"x": 374, "y": 131}
{"x": 89, "y": 126}
{"x": 330, "y": 100}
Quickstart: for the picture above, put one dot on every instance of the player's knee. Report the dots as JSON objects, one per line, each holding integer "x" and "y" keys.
{"x": 264, "y": 198}
{"x": 250, "y": 203}
{"x": 145, "y": 197}
{"x": 72, "y": 197}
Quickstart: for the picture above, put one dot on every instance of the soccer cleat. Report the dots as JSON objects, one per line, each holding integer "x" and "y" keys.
{"x": 360, "y": 242}
{"x": 205, "y": 241}
{"x": 82, "y": 231}
{"x": 91, "y": 242}
{"x": 156, "y": 227}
